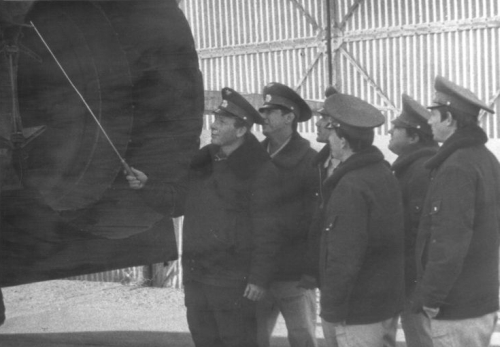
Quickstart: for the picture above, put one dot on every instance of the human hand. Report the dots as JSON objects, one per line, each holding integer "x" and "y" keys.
{"x": 253, "y": 292}
{"x": 137, "y": 180}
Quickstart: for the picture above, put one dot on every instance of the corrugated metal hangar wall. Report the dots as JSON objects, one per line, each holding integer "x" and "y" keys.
{"x": 378, "y": 48}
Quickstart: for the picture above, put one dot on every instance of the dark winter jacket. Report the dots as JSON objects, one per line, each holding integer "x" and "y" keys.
{"x": 298, "y": 196}
{"x": 458, "y": 240}
{"x": 361, "y": 259}
{"x": 314, "y": 236}
{"x": 414, "y": 180}
{"x": 230, "y": 232}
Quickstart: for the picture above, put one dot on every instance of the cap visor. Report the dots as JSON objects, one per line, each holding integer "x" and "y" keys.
{"x": 266, "y": 106}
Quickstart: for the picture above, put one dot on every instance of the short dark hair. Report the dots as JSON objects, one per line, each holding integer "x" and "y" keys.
{"x": 423, "y": 138}
{"x": 357, "y": 143}
{"x": 463, "y": 119}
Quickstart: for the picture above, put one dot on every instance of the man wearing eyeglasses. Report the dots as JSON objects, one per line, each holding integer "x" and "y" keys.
{"x": 361, "y": 254}
{"x": 282, "y": 110}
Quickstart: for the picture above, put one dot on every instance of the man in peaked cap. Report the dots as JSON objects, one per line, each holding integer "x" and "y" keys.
{"x": 230, "y": 234}
{"x": 361, "y": 255}
{"x": 283, "y": 108}
{"x": 412, "y": 140}
{"x": 458, "y": 238}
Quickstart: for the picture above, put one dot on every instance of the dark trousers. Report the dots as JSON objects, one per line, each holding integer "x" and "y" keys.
{"x": 220, "y": 316}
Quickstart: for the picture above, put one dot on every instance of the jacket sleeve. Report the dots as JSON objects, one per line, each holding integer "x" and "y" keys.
{"x": 346, "y": 240}
{"x": 266, "y": 235}
{"x": 166, "y": 197}
{"x": 452, "y": 215}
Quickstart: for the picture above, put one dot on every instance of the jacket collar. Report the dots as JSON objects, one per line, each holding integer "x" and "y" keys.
{"x": 416, "y": 152}
{"x": 368, "y": 156}
{"x": 322, "y": 156}
{"x": 461, "y": 138}
{"x": 292, "y": 153}
{"x": 244, "y": 162}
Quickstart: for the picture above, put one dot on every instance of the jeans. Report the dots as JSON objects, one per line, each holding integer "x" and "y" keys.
{"x": 380, "y": 334}
{"x": 472, "y": 332}
{"x": 298, "y": 307}
{"x": 220, "y": 316}
{"x": 417, "y": 328}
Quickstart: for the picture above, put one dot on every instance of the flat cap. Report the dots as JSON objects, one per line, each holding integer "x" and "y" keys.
{"x": 413, "y": 115}
{"x": 277, "y": 94}
{"x": 353, "y": 112}
{"x": 235, "y": 105}
{"x": 457, "y": 97}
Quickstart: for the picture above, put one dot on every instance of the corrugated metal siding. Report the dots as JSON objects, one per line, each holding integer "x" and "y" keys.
{"x": 389, "y": 47}
{"x": 403, "y": 45}
{"x": 247, "y": 44}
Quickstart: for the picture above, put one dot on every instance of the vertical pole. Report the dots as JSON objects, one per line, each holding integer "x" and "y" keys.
{"x": 329, "y": 41}
{"x": 335, "y": 24}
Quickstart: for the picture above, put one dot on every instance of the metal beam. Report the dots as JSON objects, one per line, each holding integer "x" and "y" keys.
{"x": 422, "y": 29}
{"x": 368, "y": 78}
{"x": 311, "y": 67}
{"x": 258, "y": 48}
{"x": 306, "y": 14}
{"x": 354, "y": 7}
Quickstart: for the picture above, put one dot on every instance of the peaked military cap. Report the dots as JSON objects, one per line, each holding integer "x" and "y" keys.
{"x": 277, "y": 94}
{"x": 457, "y": 98}
{"x": 235, "y": 105}
{"x": 413, "y": 115}
{"x": 351, "y": 111}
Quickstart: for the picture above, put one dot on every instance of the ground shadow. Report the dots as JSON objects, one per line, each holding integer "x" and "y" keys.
{"x": 112, "y": 339}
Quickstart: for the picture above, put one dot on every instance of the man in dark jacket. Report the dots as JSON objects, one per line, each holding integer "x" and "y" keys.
{"x": 230, "y": 235}
{"x": 412, "y": 140}
{"x": 283, "y": 109}
{"x": 361, "y": 258}
{"x": 458, "y": 237}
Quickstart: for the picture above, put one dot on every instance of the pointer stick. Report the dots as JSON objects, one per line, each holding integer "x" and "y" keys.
{"x": 124, "y": 164}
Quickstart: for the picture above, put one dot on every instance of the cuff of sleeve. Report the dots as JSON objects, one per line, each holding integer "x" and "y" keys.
{"x": 337, "y": 315}
{"x": 258, "y": 281}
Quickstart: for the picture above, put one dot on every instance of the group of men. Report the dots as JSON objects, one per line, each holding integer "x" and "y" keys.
{"x": 266, "y": 223}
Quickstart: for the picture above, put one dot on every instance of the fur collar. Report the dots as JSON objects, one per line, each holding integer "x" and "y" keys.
{"x": 461, "y": 138}
{"x": 417, "y": 152}
{"x": 291, "y": 155}
{"x": 245, "y": 161}
{"x": 369, "y": 156}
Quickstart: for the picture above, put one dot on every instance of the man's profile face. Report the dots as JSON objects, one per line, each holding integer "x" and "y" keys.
{"x": 223, "y": 130}
{"x": 399, "y": 140}
{"x": 441, "y": 129}
{"x": 274, "y": 120}
{"x": 322, "y": 129}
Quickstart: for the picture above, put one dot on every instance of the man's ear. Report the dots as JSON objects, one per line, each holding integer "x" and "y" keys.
{"x": 449, "y": 118}
{"x": 343, "y": 143}
{"x": 414, "y": 138}
{"x": 241, "y": 131}
{"x": 290, "y": 116}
